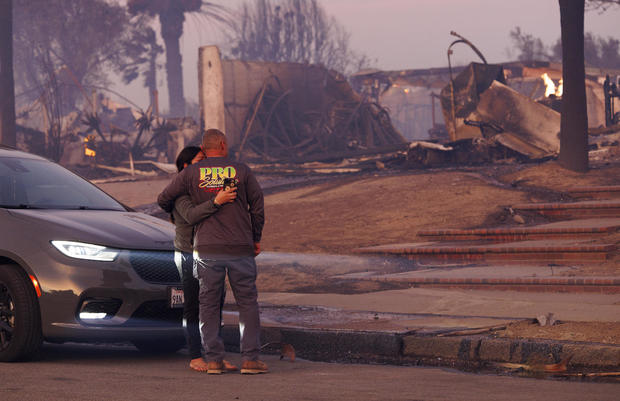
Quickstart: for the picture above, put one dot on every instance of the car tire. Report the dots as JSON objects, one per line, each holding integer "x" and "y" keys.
{"x": 20, "y": 318}
{"x": 159, "y": 345}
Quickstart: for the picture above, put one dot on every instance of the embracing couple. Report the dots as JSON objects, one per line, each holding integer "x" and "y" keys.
{"x": 217, "y": 208}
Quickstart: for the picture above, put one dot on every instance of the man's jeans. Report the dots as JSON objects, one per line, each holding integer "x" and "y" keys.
{"x": 185, "y": 265}
{"x": 242, "y": 278}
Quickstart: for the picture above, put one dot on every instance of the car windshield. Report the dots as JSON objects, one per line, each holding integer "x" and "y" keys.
{"x": 40, "y": 184}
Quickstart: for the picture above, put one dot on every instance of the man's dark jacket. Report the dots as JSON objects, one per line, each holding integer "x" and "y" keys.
{"x": 234, "y": 229}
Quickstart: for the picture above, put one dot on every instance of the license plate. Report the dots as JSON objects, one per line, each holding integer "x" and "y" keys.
{"x": 176, "y": 297}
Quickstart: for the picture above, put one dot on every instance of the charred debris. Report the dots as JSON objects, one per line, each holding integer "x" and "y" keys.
{"x": 297, "y": 118}
{"x": 297, "y": 122}
{"x": 486, "y": 113}
{"x": 292, "y": 117}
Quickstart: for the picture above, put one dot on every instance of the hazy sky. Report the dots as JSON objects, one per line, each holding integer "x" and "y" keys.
{"x": 405, "y": 34}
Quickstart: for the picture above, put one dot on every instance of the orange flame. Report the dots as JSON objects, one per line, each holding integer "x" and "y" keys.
{"x": 88, "y": 151}
{"x": 550, "y": 88}
{"x": 549, "y": 85}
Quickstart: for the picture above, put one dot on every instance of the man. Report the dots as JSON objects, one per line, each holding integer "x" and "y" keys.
{"x": 225, "y": 242}
{"x": 184, "y": 216}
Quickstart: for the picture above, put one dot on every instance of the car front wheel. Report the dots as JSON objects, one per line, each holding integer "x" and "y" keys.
{"x": 20, "y": 321}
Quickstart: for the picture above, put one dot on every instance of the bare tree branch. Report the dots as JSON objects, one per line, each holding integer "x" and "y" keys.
{"x": 292, "y": 30}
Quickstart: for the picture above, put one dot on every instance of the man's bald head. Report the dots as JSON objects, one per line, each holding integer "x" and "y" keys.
{"x": 214, "y": 143}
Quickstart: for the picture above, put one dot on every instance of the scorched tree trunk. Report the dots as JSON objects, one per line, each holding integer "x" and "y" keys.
{"x": 574, "y": 123}
{"x": 7, "y": 85}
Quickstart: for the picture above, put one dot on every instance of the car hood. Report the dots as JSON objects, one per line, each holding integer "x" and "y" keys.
{"x": 124, "y": 230}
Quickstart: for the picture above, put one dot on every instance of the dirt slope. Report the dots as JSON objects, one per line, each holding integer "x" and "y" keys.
{"x": 344, "y": 215}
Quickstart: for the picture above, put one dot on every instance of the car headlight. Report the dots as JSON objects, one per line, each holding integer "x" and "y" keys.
{"x": 80, "y": 250}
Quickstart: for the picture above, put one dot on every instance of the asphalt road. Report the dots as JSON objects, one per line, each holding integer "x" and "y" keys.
{"x": 87, "y": 372}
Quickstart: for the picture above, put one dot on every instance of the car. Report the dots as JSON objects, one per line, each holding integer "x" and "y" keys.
{"x": 77, "y": 265}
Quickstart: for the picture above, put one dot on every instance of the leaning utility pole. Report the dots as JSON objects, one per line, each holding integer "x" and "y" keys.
{"x": 7, "y": 85}
{"x": 574, "y": 123}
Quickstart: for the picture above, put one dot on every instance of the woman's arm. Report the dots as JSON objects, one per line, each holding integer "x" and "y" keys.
{"x": 194, "y": 214}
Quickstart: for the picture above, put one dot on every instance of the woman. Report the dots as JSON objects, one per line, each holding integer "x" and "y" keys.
{"x": 184, "y": 216}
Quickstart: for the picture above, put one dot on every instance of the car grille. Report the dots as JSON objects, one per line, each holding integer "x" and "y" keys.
{"x": 155, "y": 313}
{"x": 155, "y": 267}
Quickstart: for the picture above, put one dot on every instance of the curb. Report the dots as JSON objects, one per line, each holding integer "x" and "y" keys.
{"x": 485, "y": 349}
{"x": 411, "y": 349}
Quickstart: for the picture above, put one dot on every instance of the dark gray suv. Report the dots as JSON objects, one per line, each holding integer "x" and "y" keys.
{"x": 76, "y": 265}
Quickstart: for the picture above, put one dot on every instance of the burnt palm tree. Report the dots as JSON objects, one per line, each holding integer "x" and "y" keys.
{"x": 171, "y": 14}
{"x": 144, "y": 43}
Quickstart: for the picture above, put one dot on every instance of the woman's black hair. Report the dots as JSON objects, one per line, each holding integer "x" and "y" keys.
{"x": 186, "y": 156}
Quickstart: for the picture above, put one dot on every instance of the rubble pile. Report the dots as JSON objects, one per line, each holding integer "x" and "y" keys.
{"x": 287, "y": 122}
{"x": 465, "y": 152}
{"x": 296, "y": 118}
{"x": 604, "y": 144}
{"x": 479, "y": 104}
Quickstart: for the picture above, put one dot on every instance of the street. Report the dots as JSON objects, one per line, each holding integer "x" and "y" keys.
{"x": 89, "y": 372}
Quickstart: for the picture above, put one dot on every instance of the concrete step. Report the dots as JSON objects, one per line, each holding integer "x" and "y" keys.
{"x": 586, "y": 228}
{"x": 561, "y": 284}
{"x": 537, "y": 252}
{"x": 575, "y": 210}
{"x": 495, "y": 277}
{"x": 596, "y": 192}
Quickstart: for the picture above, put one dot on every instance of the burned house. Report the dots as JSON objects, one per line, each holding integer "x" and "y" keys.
{"x": 299, "y": 112}
{"x": 515, "y": 105}
{"x": 277, "y": 111}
